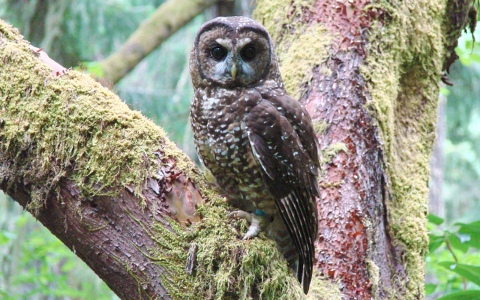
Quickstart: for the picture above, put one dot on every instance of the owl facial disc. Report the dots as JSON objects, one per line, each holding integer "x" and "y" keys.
{"x": 234, "y": 51}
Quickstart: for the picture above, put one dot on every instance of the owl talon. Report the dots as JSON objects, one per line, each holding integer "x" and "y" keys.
{"x": 253, "y": 229}
{"x": 240, "y": 214}
{"x": 252, "y": 218}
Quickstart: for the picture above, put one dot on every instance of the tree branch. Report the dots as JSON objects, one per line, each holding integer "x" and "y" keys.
{"x": 109, "y": 184}
{"x": 167, "y": 19}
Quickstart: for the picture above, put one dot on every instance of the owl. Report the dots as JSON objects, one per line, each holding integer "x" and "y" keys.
{"x": 257, "y": 141}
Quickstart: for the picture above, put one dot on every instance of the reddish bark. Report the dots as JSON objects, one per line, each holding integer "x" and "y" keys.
{"x": 353, "y": 189}
{"x": 111, "y": 234}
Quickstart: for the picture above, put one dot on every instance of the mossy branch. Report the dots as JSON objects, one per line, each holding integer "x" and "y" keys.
{"x": 165, "y": 21}
{"x": 109, "y": 184}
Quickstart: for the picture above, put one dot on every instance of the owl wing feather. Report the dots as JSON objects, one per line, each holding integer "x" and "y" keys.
{"x": 290, "y": 172}
{"x": 300, "y": 121}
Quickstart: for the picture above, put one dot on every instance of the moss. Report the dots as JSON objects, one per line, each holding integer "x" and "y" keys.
{"x": 374, "y": 276}
{"x": 251, "y": 269}
{"x": 297, "y": 61}
{"x": 71, "y": 127}
{"x": 331, "y": 151}
{"x": 322, "y": 288}
{"x": 320, "y": 127}
{"x": 403, "y": 67}
{"x": 226, "y": 267}
{"x": 73, "y": 123}
{"x": 291, "y": 35}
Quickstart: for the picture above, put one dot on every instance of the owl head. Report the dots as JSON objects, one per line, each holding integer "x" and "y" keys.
{"x": 233, "y": 52}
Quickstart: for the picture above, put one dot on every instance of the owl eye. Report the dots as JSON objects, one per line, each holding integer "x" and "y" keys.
{"x": 248, "y": 53}
{"x": 219, "y": 53}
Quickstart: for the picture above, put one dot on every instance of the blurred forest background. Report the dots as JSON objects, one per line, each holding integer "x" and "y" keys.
{"x": 36, "y": 265}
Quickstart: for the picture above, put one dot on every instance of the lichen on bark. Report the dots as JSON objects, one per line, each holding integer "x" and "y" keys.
{"x": 404, "y": 62}
{"x": 300, "y": 47}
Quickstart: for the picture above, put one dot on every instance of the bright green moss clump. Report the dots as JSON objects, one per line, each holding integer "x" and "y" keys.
{"x": 69, "y": 126}
{"x": 226, "y": 267}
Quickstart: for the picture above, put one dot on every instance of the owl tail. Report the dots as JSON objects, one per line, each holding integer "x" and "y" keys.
{"x": 278, "y": 232}
{"x": 303, "y": 276}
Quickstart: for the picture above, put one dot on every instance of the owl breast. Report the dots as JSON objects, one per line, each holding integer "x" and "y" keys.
{"x": 223, "y": 146}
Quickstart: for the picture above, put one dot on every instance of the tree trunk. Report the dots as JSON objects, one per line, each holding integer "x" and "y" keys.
{"x": 109, "y": 184}
{"x": 369, "y": 75}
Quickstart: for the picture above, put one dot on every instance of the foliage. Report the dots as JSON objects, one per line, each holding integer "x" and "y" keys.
{"x": 455, "y": 249}
{"x": 34, "y": 264}
{"x": 462, "y": 148}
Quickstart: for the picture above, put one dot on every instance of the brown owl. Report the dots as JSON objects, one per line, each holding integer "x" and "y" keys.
{"x": 257, "y": 141}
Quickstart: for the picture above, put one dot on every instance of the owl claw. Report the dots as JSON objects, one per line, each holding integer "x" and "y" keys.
{"x": 252, "y": 218}
{"x": 240, "y": 214}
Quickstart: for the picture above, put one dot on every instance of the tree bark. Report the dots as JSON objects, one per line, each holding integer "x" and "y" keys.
{"x": 109, "y": 184}
{"x": 167, "y": 19}
{"x": 371, "y": 85}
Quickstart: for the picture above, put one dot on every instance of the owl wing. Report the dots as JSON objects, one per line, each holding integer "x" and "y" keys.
{"x": 290, "y": 172}
{"x": 301, "y": 123}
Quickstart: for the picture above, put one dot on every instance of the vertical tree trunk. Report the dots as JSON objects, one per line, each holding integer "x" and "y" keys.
{"x": 368, "y": 73}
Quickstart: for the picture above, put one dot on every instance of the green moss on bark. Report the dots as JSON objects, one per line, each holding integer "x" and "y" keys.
{"x": 69, "y": 126}
{"x": 403, "y": 67}
{"x": 72, "y": 127}
{"x": 226, "y": 267}
{"x": 291, "y": 34}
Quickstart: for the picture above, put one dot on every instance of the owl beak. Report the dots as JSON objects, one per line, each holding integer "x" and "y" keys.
{"x": 233, "y": 71}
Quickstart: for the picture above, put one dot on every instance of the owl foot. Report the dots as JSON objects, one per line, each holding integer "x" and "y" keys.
{"x": 253, "y": 218}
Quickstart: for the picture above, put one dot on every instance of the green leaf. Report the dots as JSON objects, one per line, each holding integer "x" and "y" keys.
{"x": 474, "y": 240}
{"x": 465, "y": 61}
{"x": 6, "y": 236}
{"x": 444, "y": 91}
{"x": 469, "y": 272}
{"x": 457, "y": 243}
{"x": 465, "y": 295}
{"x": 475, "y": 57}
{"x": 473, "y": 227}
{"x": 430, "y": 288}
{"x": 93, "y": 67}
{"x": 431, "y": 217}
{"x": 435, "y": 242}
